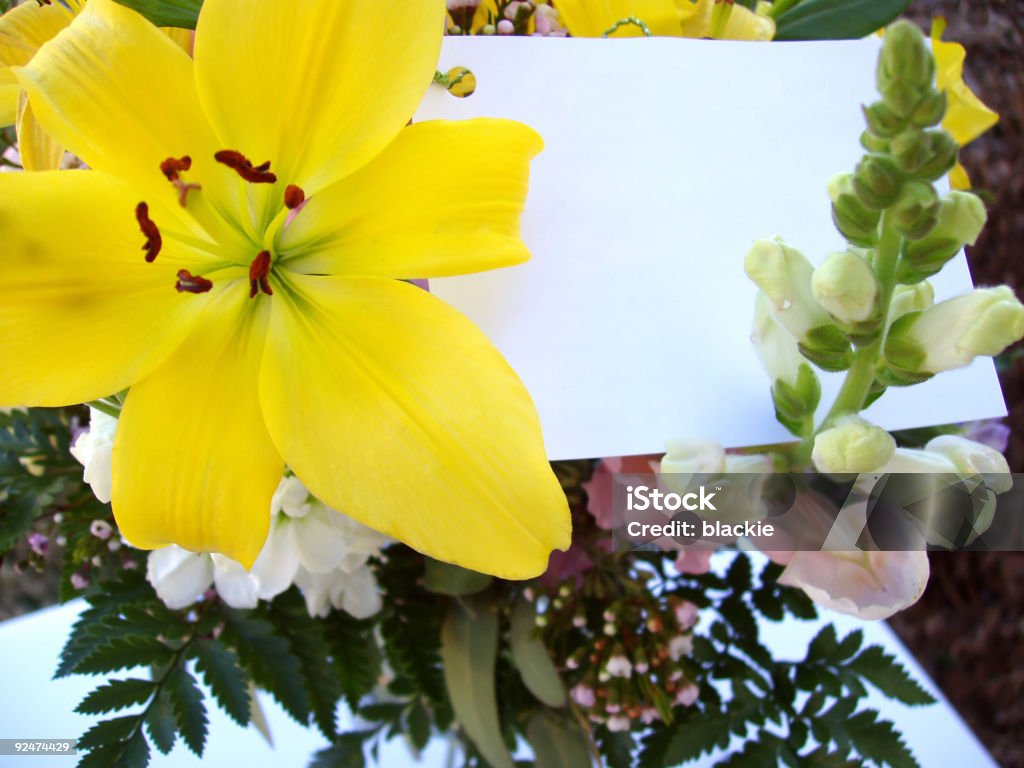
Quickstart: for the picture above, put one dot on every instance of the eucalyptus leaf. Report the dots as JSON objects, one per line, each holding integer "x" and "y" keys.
{"x": 557, "y": 742}
{"x": 836, "y": 19}
{"x": 167, "y": 13}
{"x": 469, "y": 651}
{"x": 531, "y": 656}
{"x": 448, "y": 579}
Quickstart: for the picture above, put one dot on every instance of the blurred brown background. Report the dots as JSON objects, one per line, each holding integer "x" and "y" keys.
{"x": 968, "y": 630}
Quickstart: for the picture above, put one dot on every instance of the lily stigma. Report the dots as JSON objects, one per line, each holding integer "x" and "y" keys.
{"x": 236, "y": 257}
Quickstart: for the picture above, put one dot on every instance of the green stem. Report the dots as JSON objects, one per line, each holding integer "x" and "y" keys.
{"x": 861, "y": 375}
{"x": 779, "y": 7}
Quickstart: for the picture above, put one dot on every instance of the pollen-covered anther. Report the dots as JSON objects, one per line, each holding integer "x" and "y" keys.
{"x": 189, "y": 283}
{"x": 259, "y": 273}
{"x": 172, "y": 168}
{"x": 153, "y": 240}
{"x": 294, "y": 197}
{"x": 256, "y": 174}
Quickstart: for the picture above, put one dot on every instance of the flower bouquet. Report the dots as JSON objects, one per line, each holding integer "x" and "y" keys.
{"x": 307, "y": 477}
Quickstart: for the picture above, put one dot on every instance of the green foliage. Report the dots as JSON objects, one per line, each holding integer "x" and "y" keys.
{"x": 836, "y": 19}
{"x": 531, "y": 656}
{"x": 804, "y": 713}
{"x": 167, "y": 13}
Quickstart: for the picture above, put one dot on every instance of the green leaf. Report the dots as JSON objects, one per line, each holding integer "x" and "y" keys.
{"x": 798, "y": 603}
{"x": 186, "y": 702}
{"x": 878, "y": 741}
{"x": 754, "y": 754}
{"x": 836, "y": 19}
{"x": 108, "y": 732}
{"x": 687, "y": 739}
{"x": 418, "y": 722}
{"x": 268, "y": 658}
{"x": 849, "y": 646}
{"x": 220, "y": 669}
{"x": 117, "y": 694}
{"x": 617, "y": 748}
{"x": 453, "y": 580}
{"x": 354, "y": 654}
{"x": 739, "y": 574}
{"x": 160, "y": 724}
{"x": 824, "y": 645}
{"x": 124, "y": 653}
{"x": 347, "y": 752}
{"x": 167, "y": 13}
{"x": 557, "y": 742}
{"x": 886, "y": 674}
{"x": 531, "y": 656}
{"x": 469, "y": 650}
{"x": 736, "y": 612}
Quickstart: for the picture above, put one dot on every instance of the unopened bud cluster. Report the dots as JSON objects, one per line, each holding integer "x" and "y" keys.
{"x": 504, "y": 17}
{"x": 627, "y": 661}
{"x": 874, "y": 295}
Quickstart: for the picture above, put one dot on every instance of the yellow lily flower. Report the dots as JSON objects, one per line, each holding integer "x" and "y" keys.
{"x": 279, "y": 198}
{"x": 670, "y": 18}
{"x": 967, "y": 117}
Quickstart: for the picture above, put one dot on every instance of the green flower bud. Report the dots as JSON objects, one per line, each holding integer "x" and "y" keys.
{"x": 852, "y": 446}
{"x": 961, "y": 218}
{"x": 846, "y": 286}
{"x": 924, "y": 155}
{"x": 873, "y": 143}
{"x": 952, "y": 333}
{"x": 877, "y": 181}
{"x": 882, "y": 121}
{"x": 916, "y": 210}
{"x": 856, "y": 222}
{"x": 796, "y": 391}
{"x": 784, "y": 274}
{"x": 911, "y": 298}
{"x": 930, "y": 110}
{"x": 905, "y": 61}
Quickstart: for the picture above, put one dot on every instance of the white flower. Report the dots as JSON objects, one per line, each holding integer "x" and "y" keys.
{"x": 236, "y": 586}
{"x": 679, "y": 646}
{"x": 179, "y": 577}
{"x": 93, "y": 450}
{"x": 618, "y": 723}
{"x": 619, "y": 666}
{"x": 355, "y": 593}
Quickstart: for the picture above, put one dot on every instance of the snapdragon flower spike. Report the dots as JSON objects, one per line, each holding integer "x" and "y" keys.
{"x": 226, "y": 391}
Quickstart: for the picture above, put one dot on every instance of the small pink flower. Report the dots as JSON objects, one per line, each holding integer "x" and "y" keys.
{"x": 686, "y": 613}
{"x": 583, "y": 695}
{"x": 38, "y": 543}
{"x": 100, "y": 529}
{"x": 694, "y": 561}
{"x": 599, "y": 487}
{"x": 687, "y": 695}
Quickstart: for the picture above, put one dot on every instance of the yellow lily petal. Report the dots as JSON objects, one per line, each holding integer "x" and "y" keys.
{"x": 393, "y": 408}
{"x": 38, "y": 151}
{"x": 10, "y": 90}
{"x": 967, "y": 117}
{"x": 193, "y": 464}
{"x": 121, "y": 95}
{"x": 592, "y": 18}
{"x": 275, "y": 91}
{"x": 443, "y": 199}
{"x": 26, "y": 27}
{"x": 82, "y": 315}
{"x": 696, "y": 17}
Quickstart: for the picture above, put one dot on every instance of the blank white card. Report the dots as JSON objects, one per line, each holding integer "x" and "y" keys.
{"x": 664, "y": 160}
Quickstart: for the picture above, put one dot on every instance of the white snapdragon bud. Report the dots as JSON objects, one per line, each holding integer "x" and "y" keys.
{"x": 846, "y": 286}
{"x": 952, "y": 333}
{"x": 910, "y": 298}
{"x": 852, "y": 445}
{"x": 795, "y": 388}
{"x": 179, "y": 577}
{"x": 784, "y": 275}
{"x": 94, "y": 449}
{"x": 690, "y": 457}
{"x": 973, "y": 458}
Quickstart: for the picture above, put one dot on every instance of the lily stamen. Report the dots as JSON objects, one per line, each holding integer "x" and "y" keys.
{"x": 259, "y": 272}
{"x": 189, "y": 283}
{"x": 153, "y": 239}
{"x": 294, "y": 196}
{"x": 256, "y": 174}
{"x": 172, "y": 168}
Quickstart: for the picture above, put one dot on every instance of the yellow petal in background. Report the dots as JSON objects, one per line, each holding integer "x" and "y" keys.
{"x": 592, "y": 18}
{"x": 22, "y": 30}
{"x": 744, "y": 24}
{"x": 193, "y": 464}
{"x": 443, "y": 199}
{"x": 276, "y": 90}
{"x": 967, "y": 117}
{"x": 82, "y": 315}
{"x": 39, "y": 152}
{"x": 396, "y": 410}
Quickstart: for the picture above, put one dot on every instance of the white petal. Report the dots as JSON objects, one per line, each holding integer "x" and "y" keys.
{"x": 278, "y": 562}
{"x": 316, "y": 590}
{"x": 291, "y": 497}
{"x": 236, "y": 586}
{"x": 361, "y": 596}
{"x": 179, "y": 577}
{"x": 321, "y": 544}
